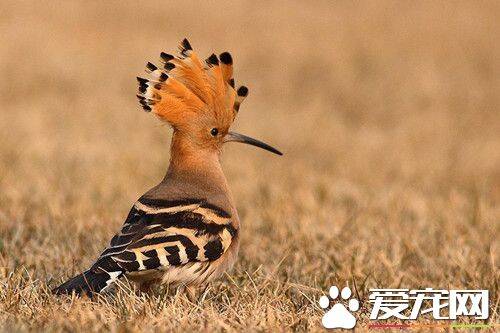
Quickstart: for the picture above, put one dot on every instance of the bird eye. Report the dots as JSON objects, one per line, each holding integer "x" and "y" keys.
{"x": 214, "y": 131}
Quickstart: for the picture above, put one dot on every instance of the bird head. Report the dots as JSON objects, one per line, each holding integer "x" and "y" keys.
{"x": 199, "y": 100}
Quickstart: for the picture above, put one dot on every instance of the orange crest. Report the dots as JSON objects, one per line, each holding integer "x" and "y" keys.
{"x": 184, "y": 91}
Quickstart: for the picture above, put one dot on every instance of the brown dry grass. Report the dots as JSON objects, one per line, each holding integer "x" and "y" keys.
{"x": 388, "y": 114}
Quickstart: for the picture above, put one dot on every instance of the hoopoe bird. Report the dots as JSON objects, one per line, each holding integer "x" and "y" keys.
{"x": 184, "y": 231}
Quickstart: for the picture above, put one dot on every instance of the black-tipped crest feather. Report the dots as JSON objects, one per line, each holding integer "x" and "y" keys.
{"x": 242, "y": 91}
{"x": 225, "y": 58}
{"x": 166, "y": 57}
{"x": 212, "y": 60}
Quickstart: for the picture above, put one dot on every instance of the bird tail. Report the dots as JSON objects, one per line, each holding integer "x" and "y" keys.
{"x": 88, "y": 282}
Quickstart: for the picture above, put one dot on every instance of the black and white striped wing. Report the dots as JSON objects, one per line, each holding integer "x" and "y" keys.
{"x": 158, "y": 234}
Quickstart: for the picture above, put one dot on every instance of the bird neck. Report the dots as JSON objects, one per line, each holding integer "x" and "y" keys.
{"x": 196, "y": 167}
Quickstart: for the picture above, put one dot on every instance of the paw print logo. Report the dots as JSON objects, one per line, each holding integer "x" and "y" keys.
{"x": 338, "y": 316}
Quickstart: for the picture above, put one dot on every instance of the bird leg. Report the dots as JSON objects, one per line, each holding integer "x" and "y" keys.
{"x": 192, "y": 293}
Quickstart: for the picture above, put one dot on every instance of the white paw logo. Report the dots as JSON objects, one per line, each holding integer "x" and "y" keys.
{"x": 338, "y": 316}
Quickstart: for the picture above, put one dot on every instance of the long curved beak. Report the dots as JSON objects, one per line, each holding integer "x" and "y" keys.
{"x": 236, "y": 137}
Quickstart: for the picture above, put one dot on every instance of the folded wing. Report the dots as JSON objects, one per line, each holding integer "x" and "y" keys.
{"x": 158, "y": 235}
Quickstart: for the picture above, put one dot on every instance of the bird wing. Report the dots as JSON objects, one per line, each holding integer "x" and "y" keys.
{"x": 159, "y": 233}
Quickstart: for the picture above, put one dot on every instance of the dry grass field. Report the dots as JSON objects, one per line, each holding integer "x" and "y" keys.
{"x": 388, "y": 113}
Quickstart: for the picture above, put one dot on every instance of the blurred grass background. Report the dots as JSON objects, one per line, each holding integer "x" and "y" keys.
{"x": 387, "y": 111}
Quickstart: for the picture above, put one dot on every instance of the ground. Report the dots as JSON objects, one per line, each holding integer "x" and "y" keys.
{"x": 387, "y": 113}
